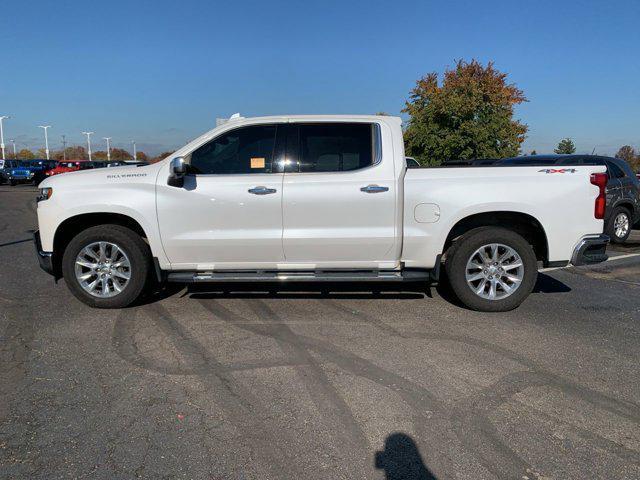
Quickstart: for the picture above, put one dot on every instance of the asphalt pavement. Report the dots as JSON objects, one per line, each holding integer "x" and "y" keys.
{"x": 267, "y": 382}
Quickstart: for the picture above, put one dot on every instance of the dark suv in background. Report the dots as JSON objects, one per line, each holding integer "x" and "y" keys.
{"x": 623, "y": 188}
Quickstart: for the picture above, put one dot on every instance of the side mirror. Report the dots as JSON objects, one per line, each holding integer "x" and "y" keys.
{"x": 177, "y": 171}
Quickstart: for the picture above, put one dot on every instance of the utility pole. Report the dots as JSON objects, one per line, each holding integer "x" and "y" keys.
{"x": 88, "y": 134}
{"x": 135, "y": 155}
{"x": 108, "y": 148}
{"x": 46, "y": 139}
{"x": 15, "y": 155}
{"x": 2, "y": 117}
{"x": 64, "y": 148}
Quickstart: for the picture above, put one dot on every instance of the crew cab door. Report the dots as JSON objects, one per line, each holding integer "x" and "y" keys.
{"x": 339, "y": 197}
{"x": 228, "y": 214}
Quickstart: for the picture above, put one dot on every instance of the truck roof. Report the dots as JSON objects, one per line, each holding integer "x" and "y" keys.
{"x": 311, "y": 117}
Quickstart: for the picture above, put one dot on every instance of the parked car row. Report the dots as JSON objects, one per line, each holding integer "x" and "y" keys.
{"x": 14, "y": 172}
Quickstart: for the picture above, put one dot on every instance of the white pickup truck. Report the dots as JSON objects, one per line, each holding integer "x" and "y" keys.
{"x": 316, "y": 198}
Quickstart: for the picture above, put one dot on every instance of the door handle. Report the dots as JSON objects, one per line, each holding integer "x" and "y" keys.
{"x": 374, "y": 189}
{"x": 262, "y": 190}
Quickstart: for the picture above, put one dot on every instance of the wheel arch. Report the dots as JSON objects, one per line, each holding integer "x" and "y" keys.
{"x": 521, "y": 223}
{"x": 71, "y": 226}
{"x": 626, "y": 203}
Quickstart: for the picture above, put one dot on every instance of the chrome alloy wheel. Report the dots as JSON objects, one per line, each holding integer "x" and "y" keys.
{"x": 621, "y": 225}
{"x": 103, "y": 269}
{"x": 494, "y": 271}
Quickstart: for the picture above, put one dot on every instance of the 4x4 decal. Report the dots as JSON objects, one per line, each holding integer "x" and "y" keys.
{"x": 558, "y": 170}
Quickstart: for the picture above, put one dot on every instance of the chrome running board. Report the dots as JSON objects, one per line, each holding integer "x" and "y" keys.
{"x": 301, "y": 276}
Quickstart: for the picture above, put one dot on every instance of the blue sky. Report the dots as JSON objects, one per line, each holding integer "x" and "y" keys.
{"x": 160, "y": 72}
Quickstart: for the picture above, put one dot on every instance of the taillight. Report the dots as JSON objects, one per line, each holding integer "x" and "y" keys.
{"x": 600, "y": 180}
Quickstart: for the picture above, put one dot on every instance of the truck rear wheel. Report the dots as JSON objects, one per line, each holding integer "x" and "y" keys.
{"x": 491, "y": 269}
{"x": 106, "y": 266}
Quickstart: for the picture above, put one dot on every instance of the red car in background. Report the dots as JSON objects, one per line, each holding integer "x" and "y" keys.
{"x": 64, "y": 167}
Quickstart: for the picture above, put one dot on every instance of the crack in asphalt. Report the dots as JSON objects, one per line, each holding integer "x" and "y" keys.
{"x": 469, "y": 417}
{"x": 235, "y": 400}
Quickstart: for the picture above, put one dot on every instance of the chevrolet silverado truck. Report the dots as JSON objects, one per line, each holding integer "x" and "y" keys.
{"x": 316, "y": 199}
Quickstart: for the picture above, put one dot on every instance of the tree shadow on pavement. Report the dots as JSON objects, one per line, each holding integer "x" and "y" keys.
{"x": 401, "y": 459}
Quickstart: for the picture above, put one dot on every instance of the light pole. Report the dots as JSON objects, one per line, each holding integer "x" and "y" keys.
{"x": 15, "y": 155}
{"x": 2, "y": 117}
{"x": 88, "y": 134}
{"x": 64, "y": 148}
{"x": 135, "y": 155}
{"x": 108, "y": 148}
{"x": 46, "y": 139}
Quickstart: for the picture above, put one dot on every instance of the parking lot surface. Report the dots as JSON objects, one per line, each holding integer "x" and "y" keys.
{"x": 266, "y": 383}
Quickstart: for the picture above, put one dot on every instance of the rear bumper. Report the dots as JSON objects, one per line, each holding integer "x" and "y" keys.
{"x": 591, "y": 249}
{"x": 44, "y": 258}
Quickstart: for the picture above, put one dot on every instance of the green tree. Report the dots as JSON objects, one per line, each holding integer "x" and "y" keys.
{"x": 25, "y": 154}
{"x": 72, "y": 153}
{"x": 159, "y": 157}
{"x": 565, "y": 146}
{"x": 469, "y": 115}
{"x": 533, "y": 152}
{"x": 626, "y": 153}
{"x": 119, "y": 154}
{"x": 99, "y": 155}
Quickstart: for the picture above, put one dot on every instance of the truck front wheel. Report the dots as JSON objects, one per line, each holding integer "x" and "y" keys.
{"x": 491, "y": 269}
{"x": 106, "y": 266}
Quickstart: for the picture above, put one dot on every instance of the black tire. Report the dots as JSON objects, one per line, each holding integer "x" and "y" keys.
{"x": 12, "y": 183}
{"x": 610, "y": 229}
{"x": 128, "y": 241}
{"x": 38, "y": 178}
{"x": 463, "y": 249}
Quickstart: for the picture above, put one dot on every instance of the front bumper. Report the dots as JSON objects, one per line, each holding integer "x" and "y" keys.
{"x": 44, "y": 258}
{"x": 591, "y": 249}
{"x": 20, "y": 178}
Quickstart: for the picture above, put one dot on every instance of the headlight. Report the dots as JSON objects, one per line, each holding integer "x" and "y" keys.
{"x": 44, "y": 194}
